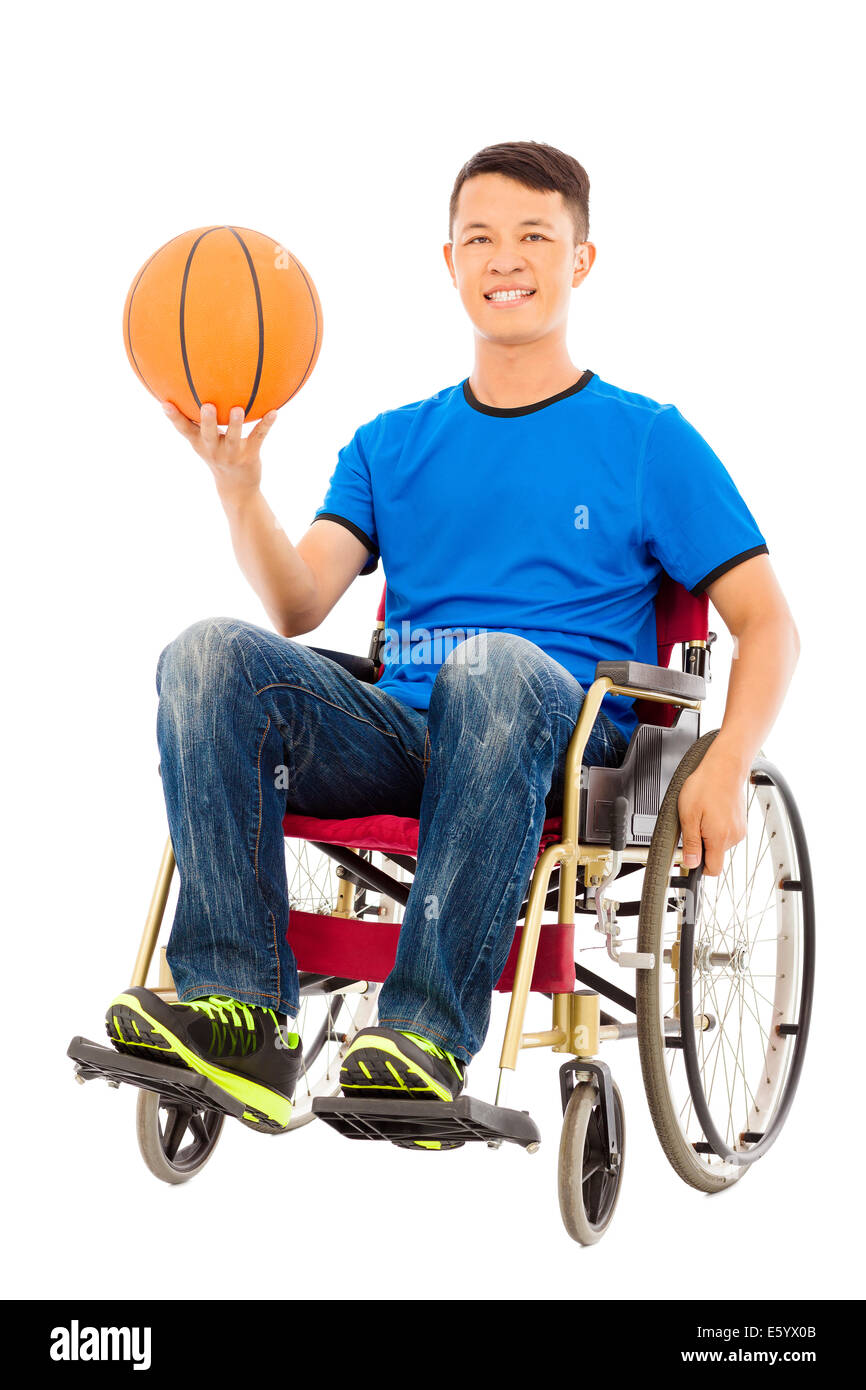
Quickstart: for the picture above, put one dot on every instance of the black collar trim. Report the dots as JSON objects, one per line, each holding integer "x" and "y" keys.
{"x": 470, "y": 398}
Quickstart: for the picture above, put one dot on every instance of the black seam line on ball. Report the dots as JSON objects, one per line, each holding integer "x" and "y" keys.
{"x": 316, "y": 338}
{"x": 192, "y": 251}
{"x": 306, "y": 280}
{"x": 257, "y": 289}
{"x": 261, "y": 324}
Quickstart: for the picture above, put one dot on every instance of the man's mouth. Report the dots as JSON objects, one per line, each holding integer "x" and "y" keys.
{"x": 508, "y": 296}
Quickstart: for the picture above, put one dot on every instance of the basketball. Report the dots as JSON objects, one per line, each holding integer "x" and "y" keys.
{"x": 223, "y": 315}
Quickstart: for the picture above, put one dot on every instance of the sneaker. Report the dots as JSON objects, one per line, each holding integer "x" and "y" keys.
{"x": 244, "y": 1049}
{"x": 400, "y": 1066}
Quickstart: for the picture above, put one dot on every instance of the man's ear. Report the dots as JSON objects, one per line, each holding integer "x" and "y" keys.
{"x": 584, "y": 256}
{"x": 449, "y": 261}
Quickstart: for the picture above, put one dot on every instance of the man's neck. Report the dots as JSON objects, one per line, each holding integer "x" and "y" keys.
{"x": 516, "y": 376}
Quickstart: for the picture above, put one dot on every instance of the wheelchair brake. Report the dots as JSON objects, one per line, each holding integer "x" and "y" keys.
{"x": 605, "y": 908}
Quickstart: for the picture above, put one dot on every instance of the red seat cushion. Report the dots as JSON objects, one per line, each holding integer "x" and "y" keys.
{"x": 388, "y": 834}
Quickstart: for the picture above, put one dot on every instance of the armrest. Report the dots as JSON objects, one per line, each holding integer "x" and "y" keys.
{"x": 362, "y": 667}
{"x": 639, "y": 675}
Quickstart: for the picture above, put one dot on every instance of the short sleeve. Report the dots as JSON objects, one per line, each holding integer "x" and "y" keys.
{"x": 349, "y": 499}
{"x": 694, "y": 520}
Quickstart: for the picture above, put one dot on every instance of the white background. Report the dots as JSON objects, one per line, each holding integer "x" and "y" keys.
{"x": 723, "y": 147}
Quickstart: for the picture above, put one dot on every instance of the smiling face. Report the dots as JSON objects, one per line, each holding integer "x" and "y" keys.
{"x": 514, "y": 260}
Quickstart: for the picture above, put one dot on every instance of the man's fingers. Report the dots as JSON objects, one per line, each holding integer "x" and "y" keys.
{"x": 179, "y": 420}
{"x": 693, "y": 845}
{"x": 209, "y": 430}
{"x": 233, "y": 431}
{"x": 714, "y": 858}
{"x": 257, "y": 434}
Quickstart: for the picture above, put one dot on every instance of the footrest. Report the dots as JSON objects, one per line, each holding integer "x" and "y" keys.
{"x": 176, "y": 1083}
{"x": 403, "y": 1122}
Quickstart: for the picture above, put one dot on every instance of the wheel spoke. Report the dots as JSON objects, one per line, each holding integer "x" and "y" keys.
{"x": 199, "y": 1128}
{"x": 176, "y": 1121}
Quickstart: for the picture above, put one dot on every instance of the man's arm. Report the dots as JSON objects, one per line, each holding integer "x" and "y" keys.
{"x": 766, "y": 648}
{"x": 298, "y": 585}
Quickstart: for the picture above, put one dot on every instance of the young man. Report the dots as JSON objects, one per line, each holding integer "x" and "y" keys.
{"x": 524, "y": 517}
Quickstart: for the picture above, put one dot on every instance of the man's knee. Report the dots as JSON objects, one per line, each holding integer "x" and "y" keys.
{"x": 494, "y": 655}
{"x": 499, "y": 670}
{"x": 202, "y": 655}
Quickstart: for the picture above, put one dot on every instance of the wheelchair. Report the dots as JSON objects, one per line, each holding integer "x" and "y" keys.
{"x": 723, "y": 967}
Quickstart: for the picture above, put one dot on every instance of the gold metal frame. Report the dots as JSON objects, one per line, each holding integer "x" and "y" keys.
{"x": 576, "y": 1027}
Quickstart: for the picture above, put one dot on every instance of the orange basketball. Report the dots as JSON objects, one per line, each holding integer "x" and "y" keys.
{"x": 226, "y": 315}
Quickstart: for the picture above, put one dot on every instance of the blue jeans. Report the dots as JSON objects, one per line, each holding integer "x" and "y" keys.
{"x": 252, "y": 724}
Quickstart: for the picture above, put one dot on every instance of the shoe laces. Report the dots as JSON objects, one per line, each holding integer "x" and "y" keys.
{"x": 225, "y": 1012}
{"x": 456, "y": 1062}
{"x": 222, "y": 1009}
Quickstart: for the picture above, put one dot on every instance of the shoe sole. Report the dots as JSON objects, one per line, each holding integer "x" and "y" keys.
{"x": 135, "y": 1030}
{"x": 381, "y": 1068}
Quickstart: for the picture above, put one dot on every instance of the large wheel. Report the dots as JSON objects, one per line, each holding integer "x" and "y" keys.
{"x": 723, "y": 1016}
{"x": 588, "y": 1192}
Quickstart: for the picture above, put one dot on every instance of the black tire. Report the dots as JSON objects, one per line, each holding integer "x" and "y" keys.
{"x": 587, "y": 1193}
{"x": 719, "y": 1091}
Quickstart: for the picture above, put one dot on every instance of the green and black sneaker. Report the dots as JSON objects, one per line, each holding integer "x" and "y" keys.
{"x": 245, "y": 1049}
{"x": 402, "y": 1066}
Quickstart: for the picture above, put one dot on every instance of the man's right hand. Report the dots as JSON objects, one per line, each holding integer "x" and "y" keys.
{"x": 235, "y": 462}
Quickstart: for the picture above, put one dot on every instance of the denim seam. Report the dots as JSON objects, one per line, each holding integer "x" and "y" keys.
{"x": 197, "y": 991}
{"x": 259, "y": 781}
{"x": 492, "y": 930}
{"x": 387, "y": 733}
{"x": 256, "y": 863}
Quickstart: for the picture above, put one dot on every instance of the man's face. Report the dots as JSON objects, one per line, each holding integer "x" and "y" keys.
{"x": 505, "y": 252}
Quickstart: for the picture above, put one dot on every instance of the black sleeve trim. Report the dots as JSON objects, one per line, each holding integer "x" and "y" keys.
{"x": 373, "y": 562}
{"x": 728, "y": 565}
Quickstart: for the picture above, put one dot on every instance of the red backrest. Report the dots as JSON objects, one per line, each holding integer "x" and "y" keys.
{"x": 680, "y": 617}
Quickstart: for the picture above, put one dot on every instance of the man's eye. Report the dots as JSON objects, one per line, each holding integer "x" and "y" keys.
{"x": 484, "y": 238}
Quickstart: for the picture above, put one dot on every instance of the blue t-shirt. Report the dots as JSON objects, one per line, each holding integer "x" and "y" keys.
{"x": 553, "y": 521}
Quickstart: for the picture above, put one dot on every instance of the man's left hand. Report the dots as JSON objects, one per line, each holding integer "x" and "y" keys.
{"x": 712, "y": 811}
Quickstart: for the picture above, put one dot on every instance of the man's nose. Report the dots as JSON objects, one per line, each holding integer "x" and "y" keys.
{"x": 506, "y": 263}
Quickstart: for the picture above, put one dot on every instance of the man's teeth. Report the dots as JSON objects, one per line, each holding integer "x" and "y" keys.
{"x": 509, "y": 294}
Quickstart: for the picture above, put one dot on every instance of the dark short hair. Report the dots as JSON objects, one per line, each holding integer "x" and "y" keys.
{"x": 535, "y": 166}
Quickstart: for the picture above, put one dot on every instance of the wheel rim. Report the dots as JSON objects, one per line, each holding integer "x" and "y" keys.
{"x": 186, "y": 1135}
{"x": 598, "y": 1184}
{"x": 732, "y": 1078}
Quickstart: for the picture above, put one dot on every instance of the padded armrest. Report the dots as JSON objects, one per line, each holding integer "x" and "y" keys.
{"x": 363, "y": 667}
{"x": 639, "y": 675}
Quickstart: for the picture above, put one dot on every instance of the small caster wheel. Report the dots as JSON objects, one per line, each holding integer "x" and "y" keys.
{"x": 587, "y": 1191}
{"x": 176, "y": 1140}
